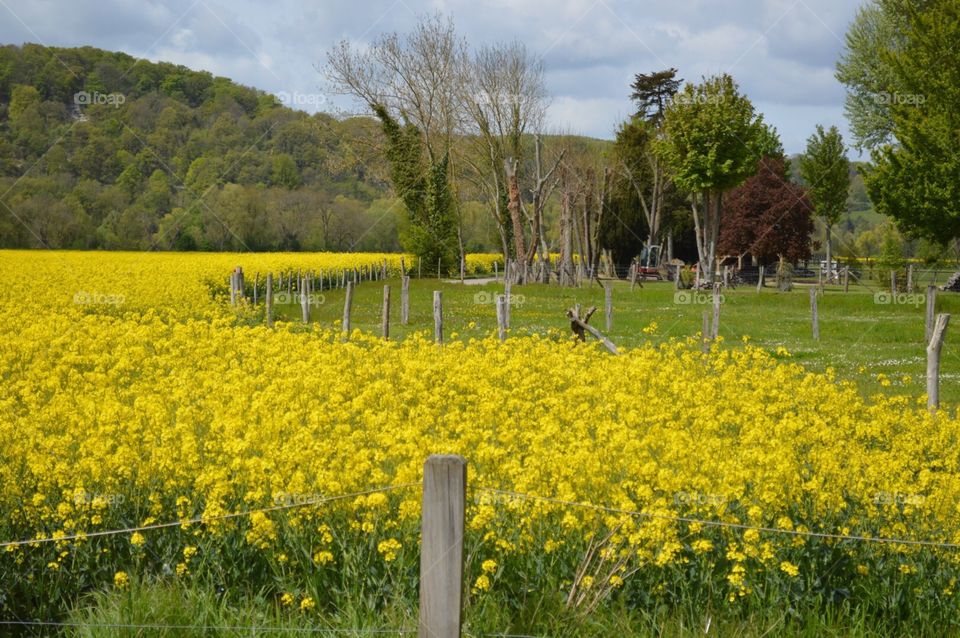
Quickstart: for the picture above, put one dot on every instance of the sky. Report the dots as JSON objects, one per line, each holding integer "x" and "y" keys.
{"x": 781, "y": 52}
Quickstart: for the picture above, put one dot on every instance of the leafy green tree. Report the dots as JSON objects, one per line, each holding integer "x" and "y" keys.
{"x": 916, "y": 180}
{"x": 826, "y": 170}
{"x": 713, "y": 140}
{"x": 284, "y": 172}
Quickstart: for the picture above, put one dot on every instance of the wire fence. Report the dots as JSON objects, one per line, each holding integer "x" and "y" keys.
{"x": 206, "y": 519}
{"x": 716, "y": 523}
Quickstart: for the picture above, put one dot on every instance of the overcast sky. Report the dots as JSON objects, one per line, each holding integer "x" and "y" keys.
{"x": 782, "y": 52}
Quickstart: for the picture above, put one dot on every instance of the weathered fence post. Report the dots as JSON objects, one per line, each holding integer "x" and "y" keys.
{"x": 815, "y": 314}
{"x": 347, "y": 303}
{"x": 931, "y": 311}
{"x": 439, "y": 266}
{"x": 501, "y": 317}
{"x": 633, "y": 277}
{"x": 506, "y": 292}
{"x": 933, "y": 362}
{"x": 910, "y": 279}
{"x": 846, "y": 279}
{"x": 441, "y": 546}
{"x": 705, "y": 332}
{"x": 305, "y": 299}
{"x": 233, "y": 288}
{"x": 385, "y": 322}
{"x": 760, "y": 274}
{"x": 496, "y": 271}
{"x": 726, "y": 276}
{"x": 405, "y": 300}
{"x": 677, "y": 279}
{"x": 269, "y": 299}
{"x": 438, "y": 316}
{"x": 608, "y": 305}
{"x": 893, "y": 283}
{"x": 716, "y": 310}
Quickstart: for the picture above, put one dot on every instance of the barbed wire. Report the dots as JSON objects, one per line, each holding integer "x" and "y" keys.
{"x": 207, "y": 519}
{"x": 725, "y": 524}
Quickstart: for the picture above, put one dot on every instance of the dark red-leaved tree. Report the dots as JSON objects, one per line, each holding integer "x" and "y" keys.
{"x": 767, "y": 217}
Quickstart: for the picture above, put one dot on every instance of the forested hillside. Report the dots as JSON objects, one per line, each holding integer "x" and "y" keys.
{"x": 100, "y": 150}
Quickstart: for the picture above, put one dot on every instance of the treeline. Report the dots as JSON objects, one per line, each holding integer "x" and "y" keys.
{"x": 101, "y": 150}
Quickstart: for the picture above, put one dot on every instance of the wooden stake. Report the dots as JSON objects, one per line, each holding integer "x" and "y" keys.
{"x": 815, "y": 314}
{"x": 893, "y": 283}
{"x": 438, "y": 316}
{"x": 846, "y": 279}
{"x": 502, "y": 317}
{"x": 347, "y": 303}
{"x": 716, "y": 310}
{"x": 385, "y": 321}
{"x": 441, "y": 546}
{"x": 269, "y": 299}
{"x": 405, "y": 300}
{"x": 931, "y": 311}
{"x": 305, "y": 300}
{"x": 705, "y": 332}
{"x": 608, "y": 306}
{"x": 933, "y": 362}
{"x": 910, "y": 279}
{"x": 506, "y": 291}
{"x": 760, "y": 275}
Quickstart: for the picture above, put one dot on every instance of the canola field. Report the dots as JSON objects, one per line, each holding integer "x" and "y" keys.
{"x": 133, "y": 395}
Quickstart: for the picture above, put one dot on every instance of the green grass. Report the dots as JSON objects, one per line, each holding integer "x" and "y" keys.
{"x": 169, "y": 609}
{"x": 859, "y": 338}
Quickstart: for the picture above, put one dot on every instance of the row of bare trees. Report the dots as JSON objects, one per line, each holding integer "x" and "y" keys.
{"x": 481, "y": 115}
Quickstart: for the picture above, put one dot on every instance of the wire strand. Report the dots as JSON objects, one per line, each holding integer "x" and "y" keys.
{"x": 207, "y": 519}
{"x": 714, "y": 523}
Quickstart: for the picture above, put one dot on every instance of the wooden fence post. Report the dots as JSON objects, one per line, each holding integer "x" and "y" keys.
{"x": 405, "y": 300}
{"x": 677, "y": 279}
{"x": 933, "y": 362}
{"x": 305, "y": 299}
{"x": 438, "y": 316}
{"x": 507, "y": 284}
{"x": 893, "y": 283}
{"x": 846, "y": 279}
{"x": 716, "y": 310}
{"x": 705, "y": 332}
{"x": 441, "y": 546}
{"x": 760, "y": 275}
{"x": 385, "y": 322}
{"x": 931, "y": 311}
{"x": 347, "y": 303}
{"x": 269, "y": 299}
{"x": 910, "y": 279}
{"x": 608, "y": 306}
{"x": 496, "y": 271}
{"x": 815, "y": 314}
{"x": 502, "y": 317}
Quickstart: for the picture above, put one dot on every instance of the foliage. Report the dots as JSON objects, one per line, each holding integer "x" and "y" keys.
{"x": 768, "y": 217}
{"x": 917, "y": 180}
{"x": 826, "y": 172}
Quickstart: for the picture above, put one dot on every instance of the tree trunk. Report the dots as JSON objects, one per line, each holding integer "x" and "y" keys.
{"x": 829, "y": 255}
{"x": 513, "y": 206}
